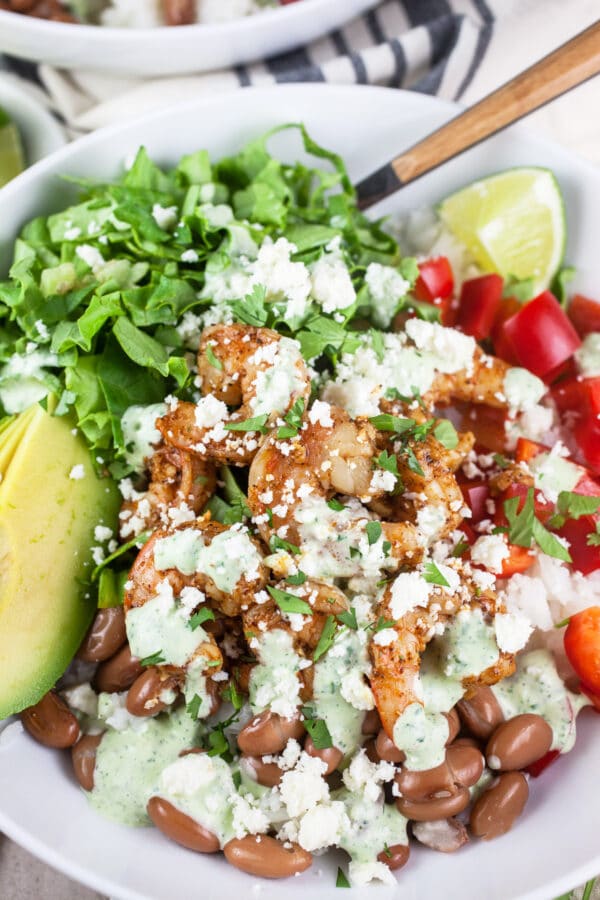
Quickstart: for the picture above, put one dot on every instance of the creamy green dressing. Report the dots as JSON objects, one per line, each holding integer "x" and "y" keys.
{"x": 340, "y": 692}
{"x": 522, "y": 389}
{"x": 553, "y": 474}
{"x": 334, "y": 544}
{"x": 230, "y": 556}
{"x": 140, "y": 433}
{"x": 536, "y": 687}
{"x": 202, "y": 787}
{"x": 162, "y": 626}
{"x": 466, "y": 648}
{"x": 373, "y": 826}
{"x": 274, "y": 681}
{"x": 196, "y": 685}
{"x": 129, "y": 765}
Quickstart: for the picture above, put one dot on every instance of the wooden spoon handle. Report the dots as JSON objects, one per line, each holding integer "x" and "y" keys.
{"x": 555, "y": 74}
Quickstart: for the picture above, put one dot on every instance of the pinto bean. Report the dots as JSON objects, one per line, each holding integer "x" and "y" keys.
{"x": 180, "y": 827}
{"x": 387, "y": 750}
{"x": 143, "y": 697}
{"x": 480, "y": 713}
{"x": 519, "y": 742}
{"x": 371, "y": 751}
{"x": 462, "y": 767}
{"x": 497, "y": 809}
{"x": 268, "y": 733}
{"x": 51, "y": 723}
{"x": 331, "y": 756}
{"x": 83, "y": 757}
{"x": 434, "y": 808}
{"x": 444, "y": 835}
{"x": 266, "y": 773}
{"x": 371, "y": 722}
{"x": 266, "y": 857}
{"x": 394, "y": 857}
{"x": 118, "y": 673}
{"x": 453, "y": 725}
{"x": 179, "y": 12}
{"x": 105, "y": 636}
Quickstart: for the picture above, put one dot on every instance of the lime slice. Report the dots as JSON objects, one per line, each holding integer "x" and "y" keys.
{"x": 12, "y": 160}
{"x": 512, "y": 223}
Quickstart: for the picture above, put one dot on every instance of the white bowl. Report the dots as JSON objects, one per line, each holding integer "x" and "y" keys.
{"x": 39, "y": 130}
{"x": 555, "y": 845}
{"x": 171, "y": 51}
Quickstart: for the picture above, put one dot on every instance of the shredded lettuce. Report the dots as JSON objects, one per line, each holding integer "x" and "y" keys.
{"x": 113, "y": 289}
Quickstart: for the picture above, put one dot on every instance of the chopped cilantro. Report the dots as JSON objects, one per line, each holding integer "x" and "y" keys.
{"x": 341, "y": 881}
{"x": 348, "y": 618}
{"x": 214, "y": 361}
{"x": 277, "y": 543}
{"x": 446, "y": 434}
{"x": 258, "y": 423}
{"x": 289, "y": 603}
{"x": 327, "y": 638}
{"x": 335, "y": 505}
{"x": 387, "y": 422}
{"x": 373, "y": 530}
{"x": 193, "y": 707}
{"x": 298, "y": 578}
{"x": 203, "y": 615}
{"x": 155, "y": 660}
{"x": 317, "y": 728}
{"x": 388, "y": 462}
{"x": 432, "y": 574}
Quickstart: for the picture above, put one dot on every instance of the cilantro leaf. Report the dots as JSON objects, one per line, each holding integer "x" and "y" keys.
{"x": 335, "y": 505}
{"x": 388, "y": 462}
{"x": 432, "y": 574}
{"x": 387, "y": 422}
{"x": 573, "y": 506}
{"x": 203, "y": 615}
{"x": 258, "y": 423}
{"x": 326, "y": 639}
{"x": 373, "y": 530}
{"x": 289, "y": 603}
{"x": 341, "y": 881}
{"x": 252, "y": 310}
{"x": 446, "y": 434}
{"x": 298, "y": 578}
{"x": 348, "y": 618}
{"x": 317, "y": 728}
{"x": 277, "y": 543}
{"x": 214, "y": 361}
{"x": 293, "y": 420}
{"x": 154, "y": 660}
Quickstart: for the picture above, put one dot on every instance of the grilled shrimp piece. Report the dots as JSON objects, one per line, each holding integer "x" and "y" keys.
{"x": 257, "y": 371}
{"x": 396, "y": 665}
{"x": 223, "y": 562}
{"x": 483, "y": 382}
{"x": 291, "y": 481}
{"x": 179, "y": 484}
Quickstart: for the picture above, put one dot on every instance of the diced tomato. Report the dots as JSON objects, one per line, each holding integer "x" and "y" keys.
{"x": 582, "y": 646}
{"x": 540, "y": 765}
{"x": 527, "y": 449}
{"x": 508, "y": 307}
{"x": 565, "y": 370}
{"x": 476, "y": 493}
{"x": 540, "y": 335}
{"x": 519, "y": 560}
{"x": 435, "y": 280}
{"x": 577, "y": 394}
{"x": 584, "y": 313}
{"x": 587, "y": 485}
{"x": 585, "y": 557}
{"x": 487, "y": 424}
{"x": 479, "y": 303}
{"x": 587, "y": 436}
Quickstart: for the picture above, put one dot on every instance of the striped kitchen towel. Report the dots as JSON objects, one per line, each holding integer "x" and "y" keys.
{"x": 457, "y": 49}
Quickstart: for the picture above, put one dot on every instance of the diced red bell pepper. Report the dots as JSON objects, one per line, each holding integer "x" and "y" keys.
{"x": 577, "y": 394}
{"x": 519, "y": 560}
{"x": 476, "y": 493}
{"x": 541, "y": 335}
{"x": 587, "y": 436}
{"x": 526, "y": 449}
{"x": 435, "y": 281}
{"x": 585, "y": 558}
{"x": 480, "y": 300}
{"x": 488, "y": 426}
{"x": 584, "y": 313}
{"x": 508, "y": 307}
{"x": 582, "y": 646}
{"x": 540, "y": 765}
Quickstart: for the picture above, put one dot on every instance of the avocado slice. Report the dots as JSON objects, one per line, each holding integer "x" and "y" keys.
{"x": 47, "y": 521}
{"x": 10, "y": 438}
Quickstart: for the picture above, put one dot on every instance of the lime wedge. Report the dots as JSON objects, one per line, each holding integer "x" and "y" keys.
{"x": 512, "y": 223}
{"x": 12, "y": 160}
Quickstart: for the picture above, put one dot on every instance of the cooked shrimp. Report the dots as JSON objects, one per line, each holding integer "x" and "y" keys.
{"x": 179, "y": 487}
{"x": 483, "y": 382}
{"x": 290, "y": 483}
{"x": 257, "y": 371}
{"x": 396, "y": 665}
{"x": 222, "y": 562}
